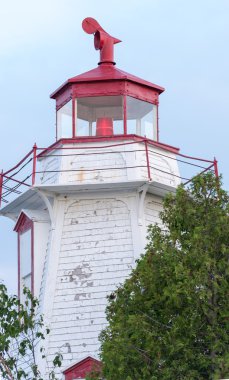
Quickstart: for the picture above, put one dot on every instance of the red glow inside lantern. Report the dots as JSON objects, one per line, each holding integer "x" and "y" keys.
{"x": 104, "y": 126}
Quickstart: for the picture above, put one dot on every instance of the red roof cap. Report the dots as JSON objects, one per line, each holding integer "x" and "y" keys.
{"x": 105, "y": 73}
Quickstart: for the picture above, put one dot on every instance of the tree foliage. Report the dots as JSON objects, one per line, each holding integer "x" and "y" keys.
{"x": 170, "y": 318}
{"x": 21, "y": 334}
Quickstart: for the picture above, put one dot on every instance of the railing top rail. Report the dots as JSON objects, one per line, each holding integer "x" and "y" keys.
{"x": 19, "y": 163}
{"x": 82, "y": 140}
{"x": 44, "y": 151}
{"x": 195, "y": 158}
{"x": 90, "y": 147}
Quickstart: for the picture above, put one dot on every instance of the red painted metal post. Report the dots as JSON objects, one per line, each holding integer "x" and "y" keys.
{"x": 18, "y": 265}
{"x": 124, "y": 115}
{"x": 32, "y": 258}
{"x": 73, "y": 117}
{"x": 157, "y": 121}
{"x": 1, "y": 184}
{"x": 34, "y": 163}
{"x": 147, "y": 160}
{"x": 56, "y": 125}
{"x": 216, "y": 173}
{"x": 216, "y": 168}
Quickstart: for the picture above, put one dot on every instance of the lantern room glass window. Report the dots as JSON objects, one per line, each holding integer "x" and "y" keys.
{"x": 64, "y": 121}
{"x": 99, "y": 116}
{"x": 141, "y": 118}
{"x": 25, "y": 262}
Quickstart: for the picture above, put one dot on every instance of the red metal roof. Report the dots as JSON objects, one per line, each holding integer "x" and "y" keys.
{"x": 81, "y": 369}
{"x": 106, "y": 72}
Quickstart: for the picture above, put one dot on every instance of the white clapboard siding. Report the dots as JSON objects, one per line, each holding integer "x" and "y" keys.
{"x": 153, "y": 207}
{"x": 163, "y": 168}
{"x": 97, "y": 168}
{"x": 50, "y": 168}
{"x": 97, "y": 165}
{"x": 44, "y": 271}
{"x": 96, "y": 255}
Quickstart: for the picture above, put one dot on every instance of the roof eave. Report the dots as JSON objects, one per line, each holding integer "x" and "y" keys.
{"x": 72, "y": 81}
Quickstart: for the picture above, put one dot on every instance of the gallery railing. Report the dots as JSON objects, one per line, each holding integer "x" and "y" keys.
{"x": 14, "y": 181}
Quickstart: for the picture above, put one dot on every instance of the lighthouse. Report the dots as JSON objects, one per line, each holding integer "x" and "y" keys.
{"x": 82, "y": 222}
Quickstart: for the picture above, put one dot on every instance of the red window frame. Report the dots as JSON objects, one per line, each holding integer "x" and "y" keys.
{"x": 151, "y": 100}
{"x": 23, "y": 225}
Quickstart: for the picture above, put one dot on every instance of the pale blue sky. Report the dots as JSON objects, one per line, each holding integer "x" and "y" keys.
{"x": 180, "y": 45}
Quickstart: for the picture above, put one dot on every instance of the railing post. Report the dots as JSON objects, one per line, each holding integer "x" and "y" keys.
{"x": 216, "y": 174}
{"x": 34, "y": 163}
{"x": 216, "y": 168}
{"x": 147, "y": 160}
{"x": 1, "y": 185}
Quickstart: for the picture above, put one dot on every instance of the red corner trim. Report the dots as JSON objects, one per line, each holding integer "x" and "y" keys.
{"x": 23, "y": 223}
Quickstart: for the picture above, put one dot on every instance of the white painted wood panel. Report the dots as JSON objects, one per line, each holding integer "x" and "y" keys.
{"x": 153, "y": 208}
{"x": 96, "y": 255}
{"x": 49, "y": 167}
{"x": 93, "y": 163}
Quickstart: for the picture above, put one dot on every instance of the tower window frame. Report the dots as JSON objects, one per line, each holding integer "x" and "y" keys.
{"x": 25, "y": 242}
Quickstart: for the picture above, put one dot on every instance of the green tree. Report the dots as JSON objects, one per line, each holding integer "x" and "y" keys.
{"x": 21, "y": 334}
{"x": 170, "y": 318}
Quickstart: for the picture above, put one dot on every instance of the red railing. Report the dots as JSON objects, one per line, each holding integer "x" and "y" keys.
{"x": 26, "y": 169}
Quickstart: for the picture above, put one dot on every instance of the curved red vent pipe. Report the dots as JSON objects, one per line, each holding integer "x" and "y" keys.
{"x": 102, "y": 40}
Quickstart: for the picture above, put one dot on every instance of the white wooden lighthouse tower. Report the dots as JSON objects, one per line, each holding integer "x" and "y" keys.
{"x": 83, "y": 222}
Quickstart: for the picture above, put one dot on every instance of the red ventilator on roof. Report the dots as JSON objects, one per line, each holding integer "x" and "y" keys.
{"x": 102, "y": 40}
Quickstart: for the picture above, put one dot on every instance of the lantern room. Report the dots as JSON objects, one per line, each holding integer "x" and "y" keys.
{"x": 106, "y": 101}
